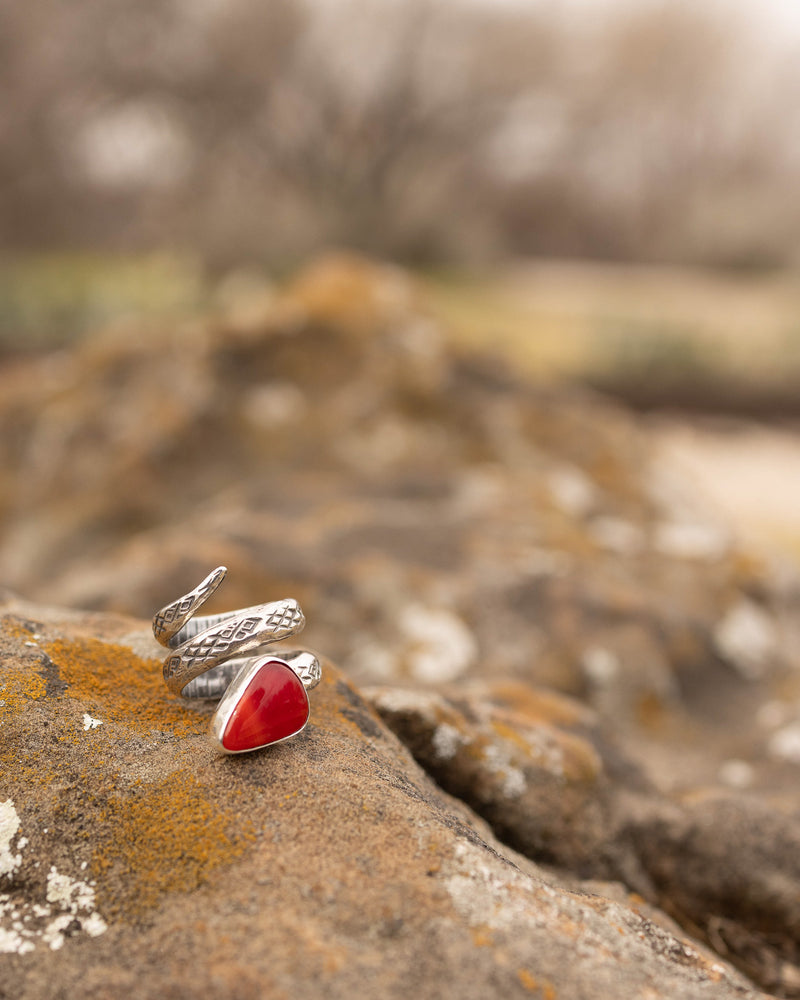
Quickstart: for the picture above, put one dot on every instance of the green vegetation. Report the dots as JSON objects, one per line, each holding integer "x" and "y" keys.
{"x": 675, "y": 334}
{"x": 633, "y": 329}
{"x": 48, "y": 301}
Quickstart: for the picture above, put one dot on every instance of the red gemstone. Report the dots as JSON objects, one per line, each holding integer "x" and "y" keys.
{"x": 273, "y": 706}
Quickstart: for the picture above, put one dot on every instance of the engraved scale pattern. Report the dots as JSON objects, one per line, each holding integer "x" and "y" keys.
{"x": 171, "y": 618}
{"x": 219, "y": 643}
{"x": 309, "y": 673}
{"x": 215, "y": 656}
{"x": 202, "y": 644}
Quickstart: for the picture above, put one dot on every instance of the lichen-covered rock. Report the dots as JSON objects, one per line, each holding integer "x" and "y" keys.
{"x": 540, "y": 770}
{"x": 439, "y": 516}
{"x": 522, "y": 759}
{"x": 134, "y": 861}
{"x": 442, "y": 521}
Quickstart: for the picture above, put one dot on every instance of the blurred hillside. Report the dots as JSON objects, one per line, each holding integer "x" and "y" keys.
{"x": 424, "y": 130}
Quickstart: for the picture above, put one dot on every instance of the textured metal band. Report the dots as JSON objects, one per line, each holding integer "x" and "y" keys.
{"x": 202, "y": 644}
{"x": 171, "y": 619}
{"x": 215, "y": 682}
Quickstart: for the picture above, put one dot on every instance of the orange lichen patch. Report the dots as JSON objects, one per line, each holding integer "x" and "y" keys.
{"x": 482, "y": 936}
{"x": 29, "y": 769}
{"x": 167, "y": 837}
{"x": 475, "y": 747}
{"x": 651, "y": 712}
{"x": 17, "y": 688}
{"x": 748, "y": 567}
{"x": 13, "y": 628}
{"x": 540, "y": 706}
{"x": 609, "y": 470}
{"x": 527, "y": 980}
{"x": 511, "y": 735}
{"x": 121, "y": 686}
{"x": 581, "y": 762}
{"x": 335, "y": 960}
{"x": 350, "y": 293}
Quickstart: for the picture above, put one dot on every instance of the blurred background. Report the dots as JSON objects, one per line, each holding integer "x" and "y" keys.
{"x": 603, "y": 190}
{"x": 438, "y": 132}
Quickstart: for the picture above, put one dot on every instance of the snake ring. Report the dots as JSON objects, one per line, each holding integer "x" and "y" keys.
{"x": 263, "y": 697}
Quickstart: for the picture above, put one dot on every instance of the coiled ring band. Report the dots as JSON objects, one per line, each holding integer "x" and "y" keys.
{"x": 207, "y": 652}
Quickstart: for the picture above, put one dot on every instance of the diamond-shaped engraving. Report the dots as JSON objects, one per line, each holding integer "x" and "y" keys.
{"x": 171, "y": 619}
{"x": 223, "y": 637}
{"x": 213, "y": 656}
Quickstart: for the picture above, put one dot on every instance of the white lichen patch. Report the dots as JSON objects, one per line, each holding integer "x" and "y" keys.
{"x": 374, "y": 661}
{"x": 499, "y": 763}
{"x": 514, "y": 783}
{"x": 572, "y": 490}
{"x": 274, "y": 405}
{"x": 440, "y": 646}
{"x": 401, "y": 701}
{"x": 503, "y": 900}
{"x": 747, "y": 638}
{"x": 75, "y": 900}
{"x": 522, "y": 911}
{"x": 9, "y": 827}
{"x": 90, "y": 723}
{"x": 601, "y": 666}
{"x": 736, "y": 773}
{"x": 691, "y": 540}
{"x": 785, "y": 743}
{"x": 69, "y": 904}
{"x": 773, "y": 713}
{"x": 446, "y": 741}
{"x": 67, "y": 893}
{"x": 53, "y": 934}
{"x": 616, "y": 535}
{"x": 545, "y": 752}
{"x": 11, "y": 941}
{"x": 488, "y": 894}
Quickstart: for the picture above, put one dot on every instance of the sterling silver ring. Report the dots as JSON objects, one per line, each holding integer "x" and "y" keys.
{"x": 264, "y": 696}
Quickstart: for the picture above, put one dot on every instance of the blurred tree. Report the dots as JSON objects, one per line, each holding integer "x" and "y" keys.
{"x": 424, "y": 129}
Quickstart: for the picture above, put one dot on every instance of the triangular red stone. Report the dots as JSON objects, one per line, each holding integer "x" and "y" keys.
{"x": 272, "y": 707}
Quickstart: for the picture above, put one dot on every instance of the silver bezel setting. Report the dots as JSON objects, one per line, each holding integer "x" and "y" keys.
{"x": 230, "y": 700}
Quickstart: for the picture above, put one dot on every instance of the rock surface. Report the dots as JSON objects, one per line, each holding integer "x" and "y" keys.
{"x": 137, "y": 862}
{"x": 546, "y": 614}
{"x": 540, "y": 770}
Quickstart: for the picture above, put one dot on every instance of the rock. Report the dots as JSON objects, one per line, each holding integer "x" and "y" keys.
{"x": 540, "y": 770}
{"x": 138, "y": 862}
{"x": 438, "y": 516}
{"x": 730, "y": 867}
{"x": 528, "y": 761}
{"x": 442, "y": 521}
